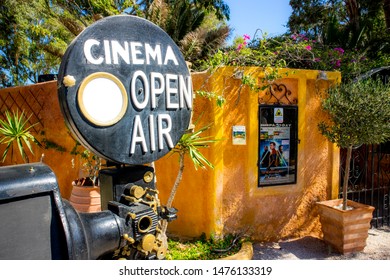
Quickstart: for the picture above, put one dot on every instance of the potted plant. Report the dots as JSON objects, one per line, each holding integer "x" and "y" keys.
{"x": 359, "y": 113}
{"x": 85, "y": 195}
{"x": 14, "y": 130}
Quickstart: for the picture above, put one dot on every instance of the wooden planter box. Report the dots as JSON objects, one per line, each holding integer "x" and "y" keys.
{"x": 345, "y": 230}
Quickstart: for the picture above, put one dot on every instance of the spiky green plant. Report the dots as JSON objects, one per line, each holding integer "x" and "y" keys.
{"x": 190, "y": 143}
{"x": 14, "y": 130}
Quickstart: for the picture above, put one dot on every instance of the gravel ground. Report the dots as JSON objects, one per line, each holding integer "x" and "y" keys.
{"x": 311, "y": 248}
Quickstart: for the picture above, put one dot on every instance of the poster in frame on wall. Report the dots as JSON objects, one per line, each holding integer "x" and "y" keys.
{"x": 278, "y": 145}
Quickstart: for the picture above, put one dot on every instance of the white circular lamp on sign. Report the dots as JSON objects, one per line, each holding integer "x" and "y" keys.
{"x": 102, "y": 99}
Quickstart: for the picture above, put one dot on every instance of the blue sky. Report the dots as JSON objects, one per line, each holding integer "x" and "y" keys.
{"x": 270, "y": 16}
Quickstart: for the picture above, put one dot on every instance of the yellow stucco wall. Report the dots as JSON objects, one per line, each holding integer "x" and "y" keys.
{"x": 46, "y": 108}
{"x": 227, "y": 199}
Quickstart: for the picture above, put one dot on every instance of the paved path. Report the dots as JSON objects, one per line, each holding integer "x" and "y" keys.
{"x": 311, "y": 248}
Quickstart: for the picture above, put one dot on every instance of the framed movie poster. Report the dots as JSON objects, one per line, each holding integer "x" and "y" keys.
{"x": 278, "y": 145}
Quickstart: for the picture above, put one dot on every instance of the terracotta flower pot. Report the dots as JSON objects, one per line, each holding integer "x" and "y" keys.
{"x": 345, "y": 230}
{"x": 85, "y": 198}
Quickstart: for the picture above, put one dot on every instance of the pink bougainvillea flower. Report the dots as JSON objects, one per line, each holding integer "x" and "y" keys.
{"x": 308, "y": 48}
{"x": 246, "y": 37}
{"x": 339, "y": 50}
{"x": 303, "y": 37}
{"x": 239, "y": 47}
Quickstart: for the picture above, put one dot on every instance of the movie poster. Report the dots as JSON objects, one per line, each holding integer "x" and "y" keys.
{"x": 277, "y": 145}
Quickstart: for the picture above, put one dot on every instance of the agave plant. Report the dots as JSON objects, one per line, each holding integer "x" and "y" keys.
{"x": 15, "y": 129}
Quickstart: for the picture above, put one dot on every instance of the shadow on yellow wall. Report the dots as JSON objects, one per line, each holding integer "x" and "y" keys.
{"x": 228, "y": 199}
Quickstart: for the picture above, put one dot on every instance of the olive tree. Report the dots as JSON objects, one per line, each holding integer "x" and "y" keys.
{"x": 359, "y": 113}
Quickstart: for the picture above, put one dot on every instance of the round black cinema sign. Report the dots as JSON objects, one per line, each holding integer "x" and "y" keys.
{"x": 125, "y": 90}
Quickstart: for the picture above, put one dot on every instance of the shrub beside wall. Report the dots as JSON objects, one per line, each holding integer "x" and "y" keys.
{"x": 40, "y": 101}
